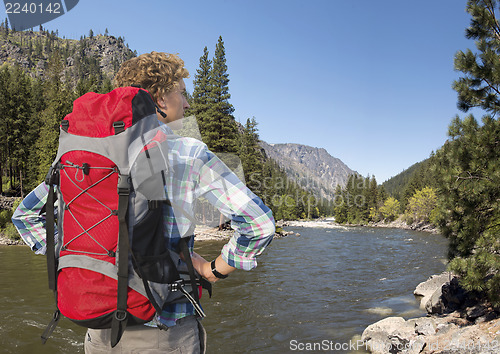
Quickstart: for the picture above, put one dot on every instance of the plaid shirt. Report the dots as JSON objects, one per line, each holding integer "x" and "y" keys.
{"x": 197, "y": 173}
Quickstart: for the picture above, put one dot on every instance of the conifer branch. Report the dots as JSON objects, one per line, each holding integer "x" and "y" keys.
{"x": 470, "y": 177}
{"x": 491, "y": 86}
{"x": 491, "y": 10}
{"x": 492, "y": 226}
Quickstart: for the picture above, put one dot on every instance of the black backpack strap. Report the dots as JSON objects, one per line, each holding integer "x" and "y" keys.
{"x": 147, "y": 288}
{"x": 183, "y": 243}
{"x": 119, "y": 321}
{"x": 50, "y": 253}
{"x": 50, "y": 231}
{"x": 51, "y": 326}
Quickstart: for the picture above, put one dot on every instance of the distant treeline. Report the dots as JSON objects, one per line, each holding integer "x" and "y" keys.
{"x": 411, "y": 194}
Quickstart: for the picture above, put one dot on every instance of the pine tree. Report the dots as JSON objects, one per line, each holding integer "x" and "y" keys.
{"x": 38, "y": 106}
{"x": 359, "y": 201}
{"x": 200, "y": 101}
{"x": 24, "y": 132}
{"x": 468, "y": 165}
{"x": 18, "y": 126}
{"x": 480, "y": 85}
{"x": 372, "y": 199}
{"x": 469, "y": 188}
{"x": 251, "y": 156}
{"x": 340, "y": 205}
{"x": 5, "y": 79}
{"x": 220, "y": 127}
{"x": 59, "y": 103}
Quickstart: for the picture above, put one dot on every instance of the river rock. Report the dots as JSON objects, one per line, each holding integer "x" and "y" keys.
{"x": 477, "y": 311}
{"x": 426, "y": 289}
{"x": 425, "y": 326}
{"x": 388, "y": 334}
{"x": 7, "y": 202}
{"x": 448, "y": 298}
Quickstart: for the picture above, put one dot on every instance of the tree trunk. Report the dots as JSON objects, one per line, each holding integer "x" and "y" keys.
{"x": 11, "y": 175}
{"x": 21, "y": 181}
{"x": 1, "y": 178}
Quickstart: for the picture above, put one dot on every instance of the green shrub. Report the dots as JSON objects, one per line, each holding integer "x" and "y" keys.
{"x": 10, "y": 231}
{"x": 5, "y": 217}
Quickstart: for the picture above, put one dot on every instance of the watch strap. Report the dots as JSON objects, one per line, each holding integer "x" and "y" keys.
{"x": 215, "y": 272}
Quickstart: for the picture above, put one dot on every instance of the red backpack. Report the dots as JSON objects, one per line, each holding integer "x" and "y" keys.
{"x": 110, "y": 266}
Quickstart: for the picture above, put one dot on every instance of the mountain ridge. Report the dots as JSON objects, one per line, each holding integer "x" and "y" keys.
{"x": 311, "y": 167}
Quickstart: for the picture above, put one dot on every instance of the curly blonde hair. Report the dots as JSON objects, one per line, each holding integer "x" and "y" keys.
{"x": 159, "y": 73}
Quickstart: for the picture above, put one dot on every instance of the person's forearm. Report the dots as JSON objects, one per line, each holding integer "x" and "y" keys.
{"x": 204, "y": 268}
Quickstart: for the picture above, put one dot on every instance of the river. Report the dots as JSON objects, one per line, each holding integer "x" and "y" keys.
{"x": 318, "y": 289}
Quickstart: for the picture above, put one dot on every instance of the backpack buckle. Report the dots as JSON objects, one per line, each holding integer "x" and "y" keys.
{"x": 123, "y": 187}
{"x": 52, "y": 176}
{"x": 177, "y": 285}
{"x": 119, "y": 127}
{"x": 120, "y": 315}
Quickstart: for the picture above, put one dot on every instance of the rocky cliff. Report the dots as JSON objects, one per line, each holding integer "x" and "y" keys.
{"x": 98, "y": 55}
{"x": 313, "y": 168}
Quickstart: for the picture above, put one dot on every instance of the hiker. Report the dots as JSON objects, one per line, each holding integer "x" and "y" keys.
{"x": 162, "y": 75}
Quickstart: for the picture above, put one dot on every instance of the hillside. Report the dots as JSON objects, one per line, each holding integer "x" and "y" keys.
{"x": 396, "y": 185}
{"x": 97, "y": 56}
{"x": 312, "y": 168}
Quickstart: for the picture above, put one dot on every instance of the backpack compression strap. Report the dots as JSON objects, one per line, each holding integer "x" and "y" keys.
{"x": 183, "y": 244}
{"x": 50, "y": 180}
{"x": 187, "y": 257}
{"x": 119, "y": 321}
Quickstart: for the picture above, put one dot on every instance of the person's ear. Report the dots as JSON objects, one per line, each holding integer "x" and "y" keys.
{"x": 162, "y": 102}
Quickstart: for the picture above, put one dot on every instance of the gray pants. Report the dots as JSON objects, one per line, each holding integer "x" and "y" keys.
{"x": 187, "y": 336}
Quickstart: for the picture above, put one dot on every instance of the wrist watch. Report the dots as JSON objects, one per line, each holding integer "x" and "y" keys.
{"x": 216, "y": 273}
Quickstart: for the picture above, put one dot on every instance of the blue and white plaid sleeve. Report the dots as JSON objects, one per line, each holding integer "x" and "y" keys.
{"x": 29, "y": 221}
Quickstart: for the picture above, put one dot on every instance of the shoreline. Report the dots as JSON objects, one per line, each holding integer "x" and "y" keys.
{"x": 329, "y": 223}
{"x": 5, "y": 241}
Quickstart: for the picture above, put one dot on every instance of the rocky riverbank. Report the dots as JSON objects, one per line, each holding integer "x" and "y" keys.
{"x": 457, "y": 322}
{"x": 5, "y": 241}
{"x": 396, "y": 224}
{"x": 400, "y": 224}
{"x": 205, "y": 233}
{"x": 7, "y": 202}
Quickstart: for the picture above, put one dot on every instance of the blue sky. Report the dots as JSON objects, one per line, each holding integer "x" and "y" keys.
{"x": 369, "y": 81}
